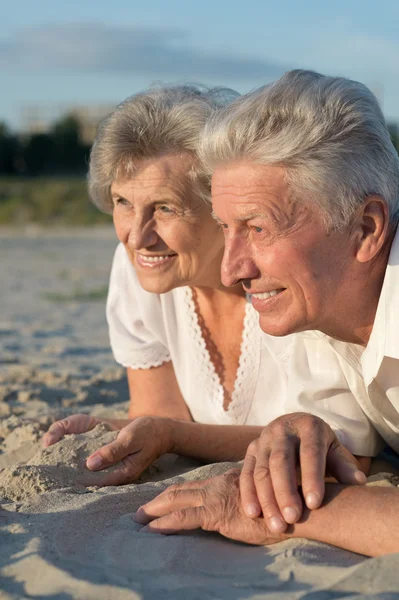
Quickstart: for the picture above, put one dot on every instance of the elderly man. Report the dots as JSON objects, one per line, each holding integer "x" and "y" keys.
{"x": 305, "y": 185}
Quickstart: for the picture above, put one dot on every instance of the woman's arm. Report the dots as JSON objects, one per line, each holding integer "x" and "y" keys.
{"x": 155, "y": 392}
{"x": 146, "y": 438}
{"x": 211, "y": 443}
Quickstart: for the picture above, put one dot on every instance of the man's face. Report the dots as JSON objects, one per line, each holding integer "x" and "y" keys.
{"x": 278, "y": 247}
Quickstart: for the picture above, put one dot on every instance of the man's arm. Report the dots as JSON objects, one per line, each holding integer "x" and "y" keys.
{"x": 360, "y": 519}
{"x": 357, "y": 518}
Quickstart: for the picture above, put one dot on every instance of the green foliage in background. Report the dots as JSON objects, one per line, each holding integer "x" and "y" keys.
{"x": 78, "y": 294}
{"x": 47, "y": 201}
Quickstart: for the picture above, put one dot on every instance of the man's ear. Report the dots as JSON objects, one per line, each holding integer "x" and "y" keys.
{"x": 371, "y": 228}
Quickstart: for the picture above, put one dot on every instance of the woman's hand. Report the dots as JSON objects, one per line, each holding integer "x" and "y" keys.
{"x": 137, "y": 445}
{"x": 213, "y": 505}
{"x": 78, "y": 423}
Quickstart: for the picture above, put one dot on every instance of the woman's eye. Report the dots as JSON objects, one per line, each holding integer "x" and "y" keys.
{"x": 165, "y": 209}
{"x": 122, "y": 202}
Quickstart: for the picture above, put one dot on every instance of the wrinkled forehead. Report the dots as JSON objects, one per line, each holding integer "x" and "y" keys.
{"x": 167, "y": 171}
{"x": 243, "y": 186}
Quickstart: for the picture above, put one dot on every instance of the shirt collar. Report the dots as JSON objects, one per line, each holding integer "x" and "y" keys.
{"x": 384, "y": 338}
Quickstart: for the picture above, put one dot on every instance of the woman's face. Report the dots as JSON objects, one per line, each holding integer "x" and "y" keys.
{"x": 167, "y": 229}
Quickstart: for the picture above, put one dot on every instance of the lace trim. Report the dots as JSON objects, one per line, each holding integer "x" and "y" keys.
{"x": 248, "y": 367}
{"x": 146, "y": 359}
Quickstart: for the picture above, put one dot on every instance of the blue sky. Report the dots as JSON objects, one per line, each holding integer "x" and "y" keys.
{"x": 98, "y": 51}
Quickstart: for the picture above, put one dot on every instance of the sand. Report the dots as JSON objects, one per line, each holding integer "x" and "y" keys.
{"x": 64, "y": 538}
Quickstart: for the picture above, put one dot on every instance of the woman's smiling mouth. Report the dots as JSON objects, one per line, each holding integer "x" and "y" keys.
{"x": 154, "y": 260}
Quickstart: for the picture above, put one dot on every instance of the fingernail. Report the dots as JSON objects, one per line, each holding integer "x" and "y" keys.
{"x": 312, "y": 500}
{"x": 94, "y": 462}
{"x": 360, "y": 476}
{"x": 276, "y": 525}
{"x": 140, "y": 518}
{"x": 290, "y": 514}
{"x": 252, "y": 510}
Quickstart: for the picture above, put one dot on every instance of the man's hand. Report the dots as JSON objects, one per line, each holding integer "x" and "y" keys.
{"x": 213, "y": 505}
{"x": 268, "y": 481}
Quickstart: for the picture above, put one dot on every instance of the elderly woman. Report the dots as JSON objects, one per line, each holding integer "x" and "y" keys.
{"x": 203, "y": 378}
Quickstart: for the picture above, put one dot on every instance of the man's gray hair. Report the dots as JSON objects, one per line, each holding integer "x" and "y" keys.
{"x": 329, "y": 133}
{"x": 163, "y": 119}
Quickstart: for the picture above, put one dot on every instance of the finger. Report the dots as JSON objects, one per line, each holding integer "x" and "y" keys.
{"x": 169, "y": 501}
{"x": 249, "y": 498}
{"x": 265, "y": 493}
{"x": 194, "y": 485}
{"x": 121, "y": 474}
{"x": 112, "y": 453}
{"x": 342, "y": 465}
{"x": 312, "y": 457}
{"x": 186, "y": 519}
{"x": 282, "y": 464}
{"x": 74, "y": 424}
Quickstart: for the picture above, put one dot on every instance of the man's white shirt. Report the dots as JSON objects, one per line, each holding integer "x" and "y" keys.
{"x": 372, "y": 373}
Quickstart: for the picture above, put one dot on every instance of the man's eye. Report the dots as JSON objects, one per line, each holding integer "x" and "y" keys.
{"x": 258, "y": 229}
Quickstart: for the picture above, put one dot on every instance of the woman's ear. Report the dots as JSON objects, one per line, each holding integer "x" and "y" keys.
{"x": 371, "y": 228}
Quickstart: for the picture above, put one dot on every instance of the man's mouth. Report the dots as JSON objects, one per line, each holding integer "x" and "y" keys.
{"x": 267, "y": 295}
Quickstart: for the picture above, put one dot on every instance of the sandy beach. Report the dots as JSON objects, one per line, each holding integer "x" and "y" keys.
{"x": 61, "y": 536}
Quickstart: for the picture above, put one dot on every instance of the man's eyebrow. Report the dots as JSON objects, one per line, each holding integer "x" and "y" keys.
{"x": 246, "y": 218}
{"x": 242, "y": 219}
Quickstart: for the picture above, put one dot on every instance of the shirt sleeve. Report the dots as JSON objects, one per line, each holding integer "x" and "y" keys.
{"x": 137, "y": 341}
{"x": 317, "y": 385}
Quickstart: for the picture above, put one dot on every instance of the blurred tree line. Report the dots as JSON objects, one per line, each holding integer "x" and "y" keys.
{"x": 43, "y": 177}
{"x": 61, "y": 151}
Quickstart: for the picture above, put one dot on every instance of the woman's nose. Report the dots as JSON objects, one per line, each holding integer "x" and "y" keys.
{"x": 142, "y": 235}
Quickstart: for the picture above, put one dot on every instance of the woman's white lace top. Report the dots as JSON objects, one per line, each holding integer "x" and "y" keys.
{"x": 148, "y": 329}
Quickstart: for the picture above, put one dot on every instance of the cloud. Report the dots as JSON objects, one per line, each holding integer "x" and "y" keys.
{"x": 101, "y": 48}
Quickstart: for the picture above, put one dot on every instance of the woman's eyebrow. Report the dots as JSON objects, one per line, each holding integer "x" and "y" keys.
{"x": 116, "y": 196}
{"x": 217, "y": 218}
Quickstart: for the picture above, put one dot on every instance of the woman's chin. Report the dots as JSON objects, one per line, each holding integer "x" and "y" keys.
{"x": 157, "y": 285}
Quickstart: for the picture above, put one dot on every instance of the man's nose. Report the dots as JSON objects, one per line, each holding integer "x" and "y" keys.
{"x": 237, "y": 263}
{"x": 142, "y": 234}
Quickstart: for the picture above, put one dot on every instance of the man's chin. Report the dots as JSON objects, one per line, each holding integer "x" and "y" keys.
{"x": 276, "y": 328}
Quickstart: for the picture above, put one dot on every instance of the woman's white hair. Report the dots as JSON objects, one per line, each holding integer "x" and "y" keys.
{"x": 161, "y": 120}
{"x": 328, "y": 132}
